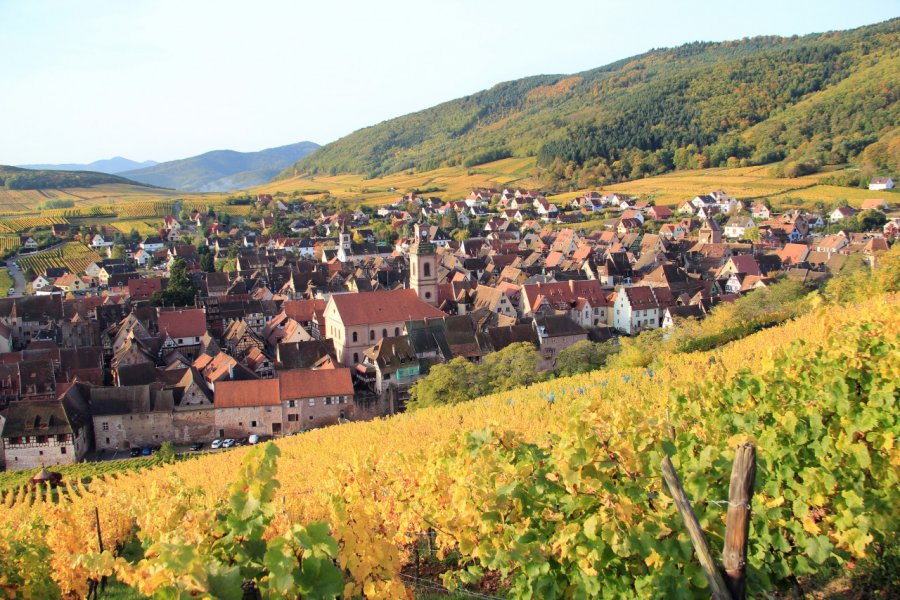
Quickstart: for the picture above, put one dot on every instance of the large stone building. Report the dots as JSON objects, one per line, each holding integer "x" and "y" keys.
{"x": 135, "y": 416}
{"x": 40, "y": 433}
{"x": 315, "y": 398}
{"x": 356, "y": 321}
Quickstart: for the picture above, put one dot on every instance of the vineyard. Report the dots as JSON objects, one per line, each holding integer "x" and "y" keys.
{"x": 142, "y": 210}
{"x": 553, "y": 490}
{"x": 22, "y": 223}
{"x": 9, "y": 243}
{"x": 74, "y": 256}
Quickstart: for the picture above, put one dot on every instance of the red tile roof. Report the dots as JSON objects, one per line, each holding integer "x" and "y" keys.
{"x": 383, "y": 307}
{"x": 302, "y": 310}
{"x": 308, "y": 383}
{"x": 144, "y": 287}
{"x": 253, "y": 392}
{"x": 189, "y": 322}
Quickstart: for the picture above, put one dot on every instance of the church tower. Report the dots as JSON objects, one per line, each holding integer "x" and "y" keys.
{"x": 423, "y": 269}
{"x": 344, "y": 245}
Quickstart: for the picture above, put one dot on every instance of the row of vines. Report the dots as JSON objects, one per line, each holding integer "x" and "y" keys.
{"x": 553, "y": 490}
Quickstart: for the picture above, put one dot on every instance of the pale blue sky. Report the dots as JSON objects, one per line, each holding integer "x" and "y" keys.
{"x": 160, "y": 79}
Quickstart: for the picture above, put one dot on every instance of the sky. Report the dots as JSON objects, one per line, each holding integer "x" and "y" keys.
{"x": 167, "y": 79}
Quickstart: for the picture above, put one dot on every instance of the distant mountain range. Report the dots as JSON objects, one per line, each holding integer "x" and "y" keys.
{"x": 107, "y": 165}
{"x": 222, "y": 170}
{"x": 817, "y": 99}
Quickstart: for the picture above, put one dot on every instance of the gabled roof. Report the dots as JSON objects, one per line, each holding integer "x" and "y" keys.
{"x": 382, "y": 307}
{"x": 254, "y": 392}
{"x": 182, "y": 323}
{"x": 308, "y": 383}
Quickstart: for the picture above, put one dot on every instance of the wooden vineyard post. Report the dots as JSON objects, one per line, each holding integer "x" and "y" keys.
{"x": 737, "y": 523}
{"x": 717, "y": 587}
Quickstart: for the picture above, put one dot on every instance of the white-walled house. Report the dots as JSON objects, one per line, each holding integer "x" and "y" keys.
{"x": 640, "y": 307}
{"x": 881, "y": 183}
{"x": 736, "y": 227}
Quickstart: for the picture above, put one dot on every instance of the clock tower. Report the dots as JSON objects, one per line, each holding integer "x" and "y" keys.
{"x": 423, "y": 269}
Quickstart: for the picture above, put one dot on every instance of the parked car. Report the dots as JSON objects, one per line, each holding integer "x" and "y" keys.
{"x": 147, "y": 450}
{"x": 135, "y": 451}
{"x": 196, "y": 446}
{"x": 253, "y": 439}
{"x": 229, "y": 443}
{"x": 216, "y": 444}
{"x": 11, "y": 291}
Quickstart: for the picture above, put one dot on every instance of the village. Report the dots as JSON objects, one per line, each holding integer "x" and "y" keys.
{"x": 323, "y": 315}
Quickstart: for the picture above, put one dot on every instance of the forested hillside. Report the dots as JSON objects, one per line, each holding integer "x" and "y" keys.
{"x": 813, "y": 100}
{"x": 222, "y": 170}
{"x": 15, "y": 178}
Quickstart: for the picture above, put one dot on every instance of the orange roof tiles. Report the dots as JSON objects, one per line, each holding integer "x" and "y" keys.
{"x": 253, "y": 392}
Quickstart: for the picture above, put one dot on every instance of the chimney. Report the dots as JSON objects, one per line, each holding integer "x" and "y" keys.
{"x": 230, "y": 371}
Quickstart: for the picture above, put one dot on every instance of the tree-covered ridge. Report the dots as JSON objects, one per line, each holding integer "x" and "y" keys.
{"x": 15, "y": 178}
{"x": 822, "y": 97}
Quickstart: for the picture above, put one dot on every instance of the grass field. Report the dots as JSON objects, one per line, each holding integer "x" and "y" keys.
{"x": 144, "y": 227}
{"x": 6, "y": 282}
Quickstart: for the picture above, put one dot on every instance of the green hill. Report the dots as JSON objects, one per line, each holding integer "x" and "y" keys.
{"x": 222, "y": 170}
{"x": 16, "y": 178}
{"x": 816, "y": 99}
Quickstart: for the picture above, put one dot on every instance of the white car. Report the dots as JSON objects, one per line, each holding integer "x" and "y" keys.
{"x": 229, "y": 443}
{"x": 253, "y": 439}
{"x": 216, "y": 444}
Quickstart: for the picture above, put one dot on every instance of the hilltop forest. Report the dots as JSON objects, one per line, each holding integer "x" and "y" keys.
{"x": 808, "y": 101}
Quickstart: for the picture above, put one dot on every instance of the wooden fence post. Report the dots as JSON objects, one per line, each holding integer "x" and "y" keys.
{"x": 717, "y": 587}
{"x": 737, "y": 523}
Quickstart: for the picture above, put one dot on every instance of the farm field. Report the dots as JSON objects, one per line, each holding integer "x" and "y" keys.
{"x": 6, "y": 282}
{"x": 74, "y": 256}
{"x": 114, "y": 195}
{"x": 451, "y": 182}
{"x": 143, "y": 227}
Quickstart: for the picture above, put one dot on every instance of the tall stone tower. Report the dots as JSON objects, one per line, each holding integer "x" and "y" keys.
{"x": 423, "y": 269}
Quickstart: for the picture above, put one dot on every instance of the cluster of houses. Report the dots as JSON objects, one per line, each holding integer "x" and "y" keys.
{"x": 312, "y": 330}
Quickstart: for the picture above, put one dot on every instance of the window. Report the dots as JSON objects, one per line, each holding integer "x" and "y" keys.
{"x": 292, "y": 403}
{"x": 384, "y": 333}
{"x": 62, "y": 449}
{"x": 371, "y": 334}
{"x": 328, "y": 401}
{"x": 387, "y": 376}
{"x": 427, "y": 295}
{"x": 105, "y": 426}
{"x": 354, "y": 336}
{"x": 396, "y": 331}
{"x": 252, "y": 423}
{"x": 293, "y": 417}
{"x": 427, "y": 269}
{"x": 312, "y": 401}
{"x": 310, "y": 417}
{"x": 355, "y": 357}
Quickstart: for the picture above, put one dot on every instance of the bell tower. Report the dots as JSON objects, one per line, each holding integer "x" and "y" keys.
{"x": 423, "y": 269}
